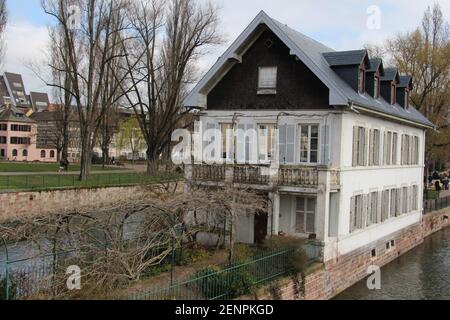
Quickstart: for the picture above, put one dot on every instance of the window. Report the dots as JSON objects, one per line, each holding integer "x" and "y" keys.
{"x": 374, "y": 148}
{"x": 267, "y": 80}
{"x": 43, "y": 154}
{"x": 25, "y": 153}
{"x": 21, "y": 128}
{"x": 405, "y": 200}
{"x": 2, "y": 153}
{"x": 14, "y": 153}
{"x": 227, "y": 138}
{"x": 356, "y": 213}
{"x": 305, "y": 215}
{"x": 266, "y": 136}
{"x": 20, "y": 140}
{"x": 359, "y": 146}
{"x": 372, "y": 209}
{"x": 52, "y": 154}
{"x": 393, "y": 208}
{"x": 373, "y": 253}
{"x": 362, "y": 81}
{"x": 376, "y": 87}
{"x": 2, "y": 140}
{"x": 309, "y": 144}
{"x": 3, "y": 127}
{"x": 393, "y": 94}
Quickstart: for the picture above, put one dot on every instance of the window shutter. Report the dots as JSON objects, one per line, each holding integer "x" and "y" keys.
{"x": 363, "y": 212}
{"x": 371, "y": 147}
{"x": 385, "y": 148}
{"x": 282, "y": 143}
{"x": 251, "y": 145}
{"x": 240, "y": 141}
{"x": 355, "y": 146}
{"x": 290, "y": 143}
{"x": 325, "y": 144}
{"x": 209, "y": 143}
{"x": 352, "y": 214}
{"x": 197, "y": 141}
{"x": 368, "y": 207}
{"x": 366, "y": 149}
{"x": 398, "y": 204}
{"x": 379, "y": 207}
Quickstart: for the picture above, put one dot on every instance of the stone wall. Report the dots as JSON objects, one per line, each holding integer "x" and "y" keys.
{"x": 38, "y": 203}
{"x": 333, "y": 277}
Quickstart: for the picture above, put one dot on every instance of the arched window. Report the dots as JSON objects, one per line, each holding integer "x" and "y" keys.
{"x": 43, "y": 154}
{"x": 25, "y": 153}
{"x": 52, "y": 154}
{"x": 14, "y": 153}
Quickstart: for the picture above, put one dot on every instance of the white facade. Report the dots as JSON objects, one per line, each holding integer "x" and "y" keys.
{"x": 330, "y": 219}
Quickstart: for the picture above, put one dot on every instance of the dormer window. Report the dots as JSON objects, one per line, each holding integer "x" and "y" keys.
{"x": 376, "y": 87}
{"x": 267, "y": 80}
{"x": 393, "y": 94}
{"x": 362, "y": 81}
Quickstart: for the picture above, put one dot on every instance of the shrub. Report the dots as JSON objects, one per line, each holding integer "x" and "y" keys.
{"x": 282, "y": 242}
{"x": 214, "y": 284}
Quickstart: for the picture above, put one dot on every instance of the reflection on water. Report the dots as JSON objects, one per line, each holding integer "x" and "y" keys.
{"x": 423, "y": 273}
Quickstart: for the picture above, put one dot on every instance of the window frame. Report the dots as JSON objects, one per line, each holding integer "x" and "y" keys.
{"x": 266, "y": 89}
{"x": 309, "y": 150}
{"x": 268, "y": 157}
{"x": 306, "y": 212}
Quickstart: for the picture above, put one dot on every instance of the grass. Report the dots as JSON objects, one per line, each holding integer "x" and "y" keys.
{"x": 45, "y": 167}
{"x": 45, "y": 182}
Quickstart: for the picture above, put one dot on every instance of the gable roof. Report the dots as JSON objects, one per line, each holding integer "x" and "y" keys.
{"x": 345, "y": 58}
{"x": 13, "y": 114}
{"x": 390, "y": 74}
{"x": 375, "y": 65}
{"x": 310, "y": 52}
{"x": 405, "y": 81}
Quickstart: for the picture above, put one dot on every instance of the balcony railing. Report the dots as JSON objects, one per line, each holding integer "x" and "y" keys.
{"x": 251, "y": 175}
{"x": 297, "y": 177}
{"x": 215, "y": 173}
{"x": 287, "y": 176}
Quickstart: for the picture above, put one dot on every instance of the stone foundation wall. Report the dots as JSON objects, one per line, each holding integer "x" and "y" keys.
{"x": 19, "y": 204}
{"x": 333, "y": 277}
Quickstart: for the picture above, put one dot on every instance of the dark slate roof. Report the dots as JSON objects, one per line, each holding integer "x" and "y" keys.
{"x": 345, "y": 58}
{"x": 405, "y": 81}
{"x": 376, "y": 64}
{"x": 311, "y": 52}
{"x": 12, "y": 114}
{"x": 43, "y": 116}
{"x": 390, "y": 74}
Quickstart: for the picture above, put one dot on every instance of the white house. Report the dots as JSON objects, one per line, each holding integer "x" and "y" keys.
{"x": 330, "y": 137}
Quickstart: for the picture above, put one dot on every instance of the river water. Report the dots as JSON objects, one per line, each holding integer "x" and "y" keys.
{"x": 421, "y": 274}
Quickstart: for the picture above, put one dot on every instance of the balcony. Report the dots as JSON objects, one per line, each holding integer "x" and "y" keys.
{"x": 264, "y": 175}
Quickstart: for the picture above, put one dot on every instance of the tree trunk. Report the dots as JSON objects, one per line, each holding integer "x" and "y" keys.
{"x": 152, "y": 163}
{"x": 86, "y": 159}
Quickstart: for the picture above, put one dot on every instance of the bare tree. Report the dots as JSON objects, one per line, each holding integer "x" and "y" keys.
{"x": 91, "y": 47}
{"x": 3, "y": 22}
{"x": 168, "y": 38}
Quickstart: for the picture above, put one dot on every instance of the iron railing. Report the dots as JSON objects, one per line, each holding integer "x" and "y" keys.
{"x": 57, "y": 181}
{"x": 227, "y": 282}
{"x": 431, "y": 205}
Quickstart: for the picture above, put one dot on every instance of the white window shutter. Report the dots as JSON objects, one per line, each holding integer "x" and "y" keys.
{"x": 371, "y": 147}
{"x": 290, "y": 143}
{"x": 240, "y": 141}
{"x": 352, "y": 214}
{"x": 282, "y": 143}
{"x": 364, "y": 213}
{"x": 366, "y": 149}
{"x": 355, "y": 146}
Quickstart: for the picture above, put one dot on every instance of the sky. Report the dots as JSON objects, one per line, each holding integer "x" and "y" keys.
{"x": 341, "y": 25}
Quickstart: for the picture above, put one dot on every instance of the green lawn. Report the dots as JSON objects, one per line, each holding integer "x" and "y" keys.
{"x": 44, "y": 182}
{"x": 44, "y": 167}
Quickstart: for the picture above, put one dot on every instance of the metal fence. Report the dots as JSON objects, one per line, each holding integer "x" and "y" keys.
{"x": 226, "y": 282}
{"x": 431, "y": 205}
{"x": 43, "y": 182}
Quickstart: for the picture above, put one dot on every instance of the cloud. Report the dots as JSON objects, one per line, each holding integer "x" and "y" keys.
{"x": 25, "y": 44}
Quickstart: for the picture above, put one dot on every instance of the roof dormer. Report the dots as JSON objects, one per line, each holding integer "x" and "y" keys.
{"x": 373, "y": 77}
{"x": 404, "y": 88}
{"x": 351, "y": 66}
{"x": 389, "y": 85}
